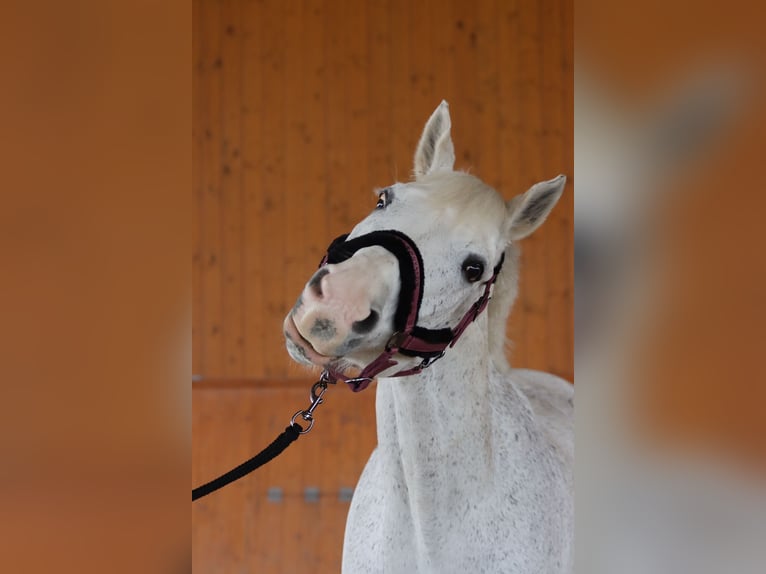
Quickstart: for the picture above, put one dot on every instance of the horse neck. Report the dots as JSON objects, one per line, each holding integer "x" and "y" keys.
{"x": 429, "y": 418}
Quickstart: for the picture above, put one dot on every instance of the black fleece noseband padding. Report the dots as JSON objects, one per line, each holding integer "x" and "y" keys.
{"x": 394, "y": 242}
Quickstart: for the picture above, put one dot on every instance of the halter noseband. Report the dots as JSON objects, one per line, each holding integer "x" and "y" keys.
{"x": 408, "y": 339}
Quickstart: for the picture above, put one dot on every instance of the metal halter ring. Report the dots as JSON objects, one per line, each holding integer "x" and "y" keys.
{"x": 306, "y": 416}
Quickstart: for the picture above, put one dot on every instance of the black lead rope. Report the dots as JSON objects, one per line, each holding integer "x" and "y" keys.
{"x": 288, "y": 437}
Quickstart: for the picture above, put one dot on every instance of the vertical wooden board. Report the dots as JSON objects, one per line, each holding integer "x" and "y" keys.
{"x": 557, "y": 103}
{"x": 465, "y": 107}
{"x": 217, "y": 520}
{"x": 314, "y": 202}
{"x": 267, "y": 546}
{"x": 197, "y": 190}
{"x": 264, "y": 182}
{"x": 361, "y": 199}
{"x": 275, "y": 265}
{"x": 303, "y": 178}
{"x": 255, "y": 42}
{"x": 213, "y": 452}
{"x": 231, "y": 189}
{"x": 486, "y": 107}
{"x": 437, "y": 74}
{"x": 512, "y": 145}
{"x": 379, "y": 71}
{"x": 423, "y": 70}
{"x": 533, "y": 285}
{"x": 406, "y": 122}
{"x": 358, "y": 190}
{"x": 287, "y": 524}
{"x": 348, "y": 113}
{"x": 256, "y": 430}
{"x": 211, "y": 290}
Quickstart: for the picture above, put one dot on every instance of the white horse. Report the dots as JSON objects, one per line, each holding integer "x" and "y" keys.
{"x": 473, "y": 468}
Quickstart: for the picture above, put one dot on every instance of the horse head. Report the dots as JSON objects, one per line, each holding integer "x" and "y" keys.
{"x": 434, "y": 244}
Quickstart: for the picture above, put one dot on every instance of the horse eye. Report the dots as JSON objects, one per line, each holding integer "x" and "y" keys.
{"x": 473, "y": 269}
{"x": 382, "y": 200}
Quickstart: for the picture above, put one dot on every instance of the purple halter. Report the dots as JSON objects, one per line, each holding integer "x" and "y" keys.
{"x": 408, "y": 339}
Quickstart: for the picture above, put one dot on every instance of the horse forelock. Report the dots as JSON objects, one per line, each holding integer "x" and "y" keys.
{"x": 478, "y": 205}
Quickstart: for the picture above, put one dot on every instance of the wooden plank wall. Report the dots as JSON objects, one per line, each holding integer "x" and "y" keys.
{"x": 301, "y": 108}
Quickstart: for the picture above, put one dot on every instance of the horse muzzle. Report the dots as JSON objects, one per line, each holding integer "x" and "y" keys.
{"x": 340, "y": 308}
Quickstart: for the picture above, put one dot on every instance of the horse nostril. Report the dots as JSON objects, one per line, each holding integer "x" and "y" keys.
{"x": 367, "y": 324}
{"x": 315, "y": 283}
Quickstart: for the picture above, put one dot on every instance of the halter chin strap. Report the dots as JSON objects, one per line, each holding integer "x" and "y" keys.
{"x": 408, "y": 339}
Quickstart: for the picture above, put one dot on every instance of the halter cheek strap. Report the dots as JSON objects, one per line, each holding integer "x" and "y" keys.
{"x": 408, "y": 339}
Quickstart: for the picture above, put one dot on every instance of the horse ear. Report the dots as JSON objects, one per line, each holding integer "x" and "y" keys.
{"x": 528, "y": 211}
{"x": 435, "y": 151}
